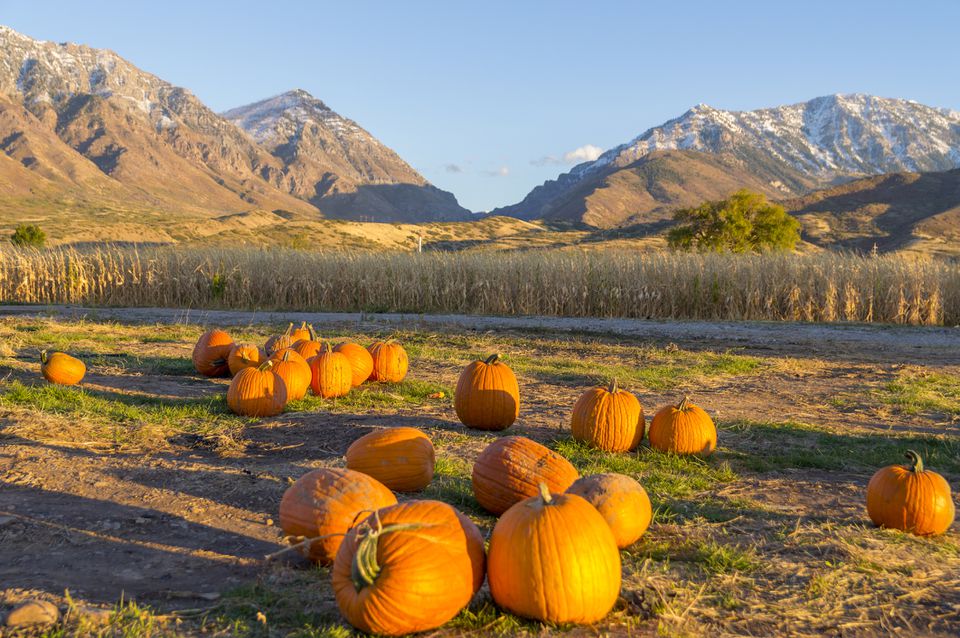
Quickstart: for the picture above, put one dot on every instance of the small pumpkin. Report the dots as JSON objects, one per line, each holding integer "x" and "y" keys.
{"x": 257, "y": 392}
{"x": 622, "y": 502}
{"x": 554, "y": 559}
{"x": 302, "y": 333}
{"x": 310, "y": 347}
{"x": 244, "y": 355}
{"x": 330, "y": 374}
{"x": 389, "y": 361}
{"x": 279, "y": 342}
{"x": 511, "y": 469}
{"x": 294, "y": 371}
{"x": 400, "y": 458}
{"x": 487, "y": 395}
{"x": 361, "y": 361}
{"x": 683, "y": 429}
{"x": 408, "y": 568}
{"x": 608, "y": 418}
{"x": 326, "y": 503}
{"x": 912, "y": 499}
{"x": 210, "y": 353}
{"x": 61, "y": 368}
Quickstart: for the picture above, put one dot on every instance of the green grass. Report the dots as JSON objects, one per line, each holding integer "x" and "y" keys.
{"x": 376, "y": 395}
{"x": 924, "y": 392}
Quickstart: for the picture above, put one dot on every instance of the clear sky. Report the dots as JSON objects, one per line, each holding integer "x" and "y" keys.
{"x": 486, "y": 99}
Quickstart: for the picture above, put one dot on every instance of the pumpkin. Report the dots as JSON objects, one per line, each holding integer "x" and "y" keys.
{"x": 257, "y": 392}
{"x": 487, "y": 396}
{"x": 478, "y": 555}
{"x": 302, "y": 333}
{"x": 61, "y": 368}
{"x": 400, "y": 458}
{"x": 621, "y": 501}
{"x": 683, "y": 429}
{"x": 326, "y": 503}
{"x": 279, "y": 342}
{"x": 330, "y": 374}
{"x": 511, "y": 469}
{"x": 211, "y": 352}
{"x": 389, "y": 361}
{"x": 407, "y": 568}
{"x": 608, "y": 418}
{"x": 910, "y": 498}
{"x": 361, "y": 361}
{"x": 310, "y": 347}
{"x": 554, "y": 559}
{"x": 294, "y": 371}
{"x": 244, "y": 355}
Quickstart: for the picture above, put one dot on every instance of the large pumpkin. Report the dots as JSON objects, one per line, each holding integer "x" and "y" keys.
{"x": 910, "y": 498}
{"x": 61, "y": 368}
{"x": 554, "y": 559}
{"x": 211, "y": 352}
{"x": 407, "y": 568}
{"x": 361, "y": 361}
{"x": 487, "y": 396}
{"x": 511, "y": 469}
{"x": 389, "y": 361}
{"x": 621, "y": 501}
{"x": 294, "y": 371}
{"x": 608, "y": 418}
{"x": 326, "y": 503}
{"x": 330, "y": 374}
{"x": 683, "y": 429}
{"x": 257, "y": 392}
{"x": 244, "y": 355}
{"x": 400, "y": 458}
{"x": 279, "y": 342}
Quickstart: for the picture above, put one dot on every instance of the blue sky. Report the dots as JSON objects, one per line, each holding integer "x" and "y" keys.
{"x": 486, "y": 99}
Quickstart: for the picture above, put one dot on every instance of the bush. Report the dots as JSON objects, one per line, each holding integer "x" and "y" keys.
{"x": 745, "y": 222}
{"x": 28, "y": 236}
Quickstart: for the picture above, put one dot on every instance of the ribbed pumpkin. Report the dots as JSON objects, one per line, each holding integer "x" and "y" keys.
{"x": 511, "y": 469}
{"x": 361, "y": 361}
{"x": 330, "y": 374}
{"x": 400, "y": 458}
{"x": 61, "y": 368}
{"x": 310, "y": 347}
{"x": 389, "y": 361}
{"x": 294, "y": 371}
{"x": 302, "y": 333}
{"x": 478, "y": 555}
{"x": 328, "y": 502}
{"x": 554, "y": 559}
{"x": 683, "y": 429}
{"x": 608, "y": 418}
{"x": 211, "y": 352}
{"x": 244, "y": 355}
{"x": 279, "y": 342}
{"x": 407, "y": 568}
{"x": 621, "y": 501}
{"x": 911, "y": 498}
{"x": 257, "y": 392}
{"x": 487, "y": 396}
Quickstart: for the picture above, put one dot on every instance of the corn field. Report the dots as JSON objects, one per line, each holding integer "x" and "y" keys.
{"x": 658, "y": 285}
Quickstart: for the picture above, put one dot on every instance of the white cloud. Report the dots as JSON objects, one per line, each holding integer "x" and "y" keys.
{"x": 585, "y": 153}
{"x": 503, "y": 171}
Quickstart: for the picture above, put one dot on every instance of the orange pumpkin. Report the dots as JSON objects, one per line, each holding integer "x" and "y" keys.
{"x": 511, "y": 469}
{"x": 407, "y": 568}
{"x": 302, "y": 333}
{"x": 330, "y": 374}
{"x": 294, "y": 371}
{"x": 478, "y": 555}
{"x": 279, "y": 342}
{"x": 400, "y": 458}
{"x": 244, "y": 355}
{"x": 487, "y": 396}
{"x": 910, "y": 498}
{"x": 621, "y": 501}
{"x": 389, "y": 361}
{"x": 361, "y": 362}
{"x": 257, "y": 392}
{"x": 211, "y": 352}
{"x": 608, "y": 418}
{"x": 61, "y": 368}
{"x": 326, "y": 503}
{"x": 310, "y": 347}
{"x": 554, "y": 559}
{"x": 683, "y": 429}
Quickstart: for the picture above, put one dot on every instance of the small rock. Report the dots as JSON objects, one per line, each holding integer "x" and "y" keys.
{"x": 33, "y": 612}
{"x": 94, "y": 615}
{"x": 7, "y": 520}
{"x": 140, "y": 520}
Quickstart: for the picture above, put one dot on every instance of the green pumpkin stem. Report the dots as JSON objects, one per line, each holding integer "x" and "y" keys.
{"x": 491, "y": 359}
{"x": 916, "y": 463}
{"x": 684, "y": 404}
{"x": 266, "y": 365}
{"x": 613, "y": 387}
{"x": 313, "y": 333}
{"x": 545, "y": 493}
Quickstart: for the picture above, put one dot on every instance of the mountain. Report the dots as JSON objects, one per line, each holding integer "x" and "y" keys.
{"x": 792, "y": 150}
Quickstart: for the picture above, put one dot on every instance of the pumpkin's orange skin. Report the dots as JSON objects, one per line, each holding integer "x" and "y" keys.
{"x": 61, "y": 369}
{"x": 244, "y": 355}
{"x": 608, "y": 418}
{"x": 400, "y": 458}
{"x": 308, "y": 349}
{"x": 426, "y": 575}
{"x": 390, "y": 362}
{"x": 329, "y": 501}
{"x": 302, "y": 333}
{"x": 361, "y": 361}
{"x": 554, "y": 561}
{"x": 487, "y": 395}
{"x": 911, "y": 499}
{"x": 257, "y": 392}
{"x": 279, "y": 342}
{"x": 683, "y": 429}
{"x": 330, "y": 374}
{"x": 478, "y": 555}
{"x": 211, "y": 352}
{"x": 622, "y": 502}
{"x": 294, "y": 371}
{"x": 511, "y": 469}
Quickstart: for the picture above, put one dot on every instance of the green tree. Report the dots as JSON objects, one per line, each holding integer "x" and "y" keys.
{"x": 744, "y": 222}
{"x": 28, "y": 236}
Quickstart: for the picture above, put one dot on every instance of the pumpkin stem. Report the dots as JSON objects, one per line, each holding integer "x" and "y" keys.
{"x": 266, "y": 365}
{"x": 365, "y": 567}
{"x": 916, "y": 463}
{"x": 545, "y": 493}
{"x": 289, "y": 329}
{"x": 491, "y": 359}
{"x": 684, "y": 404}
{"x": 613, "y": 387}
{"x": 313, "y": 333}
{"x": 43, "y": 356}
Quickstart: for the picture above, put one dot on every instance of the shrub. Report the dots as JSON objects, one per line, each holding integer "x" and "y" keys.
{"x": 745, "y": 222}
{"x": 28, "y": 236}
